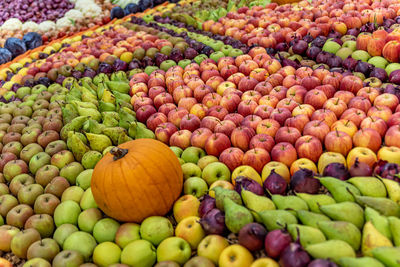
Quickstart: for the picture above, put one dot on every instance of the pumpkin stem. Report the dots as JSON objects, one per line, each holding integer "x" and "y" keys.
{"x": 118, "y": 153}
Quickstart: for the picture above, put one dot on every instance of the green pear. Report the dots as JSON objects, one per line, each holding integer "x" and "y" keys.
{"x": 110, "y": 118}
{"x": 372, "y": 238}
{"x": 69, "y": 112}
{"x": 113, "y": 133}
{"x": 384, "y": 206}
{"x": 82, "y": 104}
{"x": 276, "y": 219}
{"x": 307, "y": 235}
{"x": 390, "y": 257}
{"x": 291, "y": 203}
{"x": 314, "y": 201}
{"x": 77, "y": 146}
{"x": 92, "y": 126}
{"x": 380, "y": 222}
{"x": 236, "y": 216}
{"x": 121, "y": 87}
{"x": 393, "y": 189}
{"x": 345, "y": 211}
{"x": 91, "y": 112}
{"x": 98, "y": 142}
{"x": 340, "y": 190}
{"x": 256, "y": 203}
{"x": 341, "y": 230}
{"x": 331, "y": 249}
{"x": 360, "y": 262}
{"x": 123, "y": 138}
{"x": 222, "y": 193}
{"x": 311, "y": 218}
{"x": 369, "y": 186}
{"x": 394, "y": 224}
{"x": 75, "y": 125}
{"x": 143, "y": 132}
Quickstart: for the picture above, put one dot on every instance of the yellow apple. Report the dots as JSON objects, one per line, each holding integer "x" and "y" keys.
{"x": 211, "y": 247}
{"x": 221, "y": 183}
{"x": 248, "y": 172}
{"x": 363, "y": 154}
{"x": 190, "y": 229}
{"x": 265, "y": 262}
{"x": 279, "y": 168}
{"x": 186, "y": 206}
{"x": 390, "y": 154}
{"x": 329, "y": 157}
{"x": 303, "y": 163}
{"x": 235, "y": 256}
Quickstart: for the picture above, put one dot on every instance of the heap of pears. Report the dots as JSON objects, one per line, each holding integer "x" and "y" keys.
{"x": 359, "y": 215}
{"x": 98, "y": 116}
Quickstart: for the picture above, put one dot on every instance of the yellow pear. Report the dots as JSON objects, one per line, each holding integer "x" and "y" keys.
{"x": 248, "y": 172}
{"x": 372, "y": 238}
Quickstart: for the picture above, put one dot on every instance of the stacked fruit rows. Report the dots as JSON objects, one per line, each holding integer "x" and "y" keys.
{"x": 286, "y": 124}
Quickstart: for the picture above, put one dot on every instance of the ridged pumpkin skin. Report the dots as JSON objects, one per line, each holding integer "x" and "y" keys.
{"x": 144, "y": 182}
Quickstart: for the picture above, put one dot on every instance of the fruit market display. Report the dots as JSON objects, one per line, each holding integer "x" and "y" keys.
{"x": 205, "y": 133}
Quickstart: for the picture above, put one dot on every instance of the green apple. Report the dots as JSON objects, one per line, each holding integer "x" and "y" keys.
{"x": 344, "y": 52}
{"x": 195, "y": 186}
{"x": 379, "y": 62}
{"x": 359, "y": 75}
{"x": 348, "y": 38}
{"x": 226, "y": 49}
{"x": 64, "y": 231}
{"x": 37, "y": 262}
{"x": 155, "y": 229}
{"x": 71, "y": 171}
{"x": 198, "y": 59}
{"x": 87, "y": 200}
{"x": 166, "y": 50}
{"x": 331, "y": 47}
{"x": 73, "y": 193}
{"x": 211, "y": 247}
{"x": 22, "y": 241}
{"x": 165, "y": 65}
{"x": 177, "y": 150}
{"x": 190, "y": 170}
{"x": 46, "y": 249}
{"x": 149, "y": 69}
{"x": 216, "y": 171}
{"x": 174, "y": 249}
{"x": 199, "y": 261}
{"x": 88, "y": 219}
{"x": 68, "y": 258}
{"x": 217, "y": 55}
{"x": 105, "y": 230}
{"x": 90, "y": 159}
{"x": 84, "y": 178}
{"x": 23, "y": 91}
{"x": 67, "y": 212}
{"x": 204, "y": 161}
{"x": 81, "y": 242}
{"x": 217, "y": 45}
{"x": 106, "y": 253}
{"x": 235, "y": 52}
{"x": 38, "y": 161}
{"x": 391, "y": 67}
{"x": 139, "y": 253}
{"x": 127, "y": 233}
{"x": 361, "y": 55}
{"x": 351, "y": 44}
{"x": 192, "y": 154}
{"x": 184, "y": 62}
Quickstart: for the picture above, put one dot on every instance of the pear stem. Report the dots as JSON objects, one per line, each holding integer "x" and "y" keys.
{"x": 118, "y": 153}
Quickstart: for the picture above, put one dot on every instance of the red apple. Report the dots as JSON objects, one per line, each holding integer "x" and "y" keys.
{"x": 181, "y": 139}
{"x": 164, "y": 132}
{"x": 360, "y": 102}
{"x": 226, "y": 127}
{"x": 368, "y": 138}
{"x": 232, "y": 157}
{"x": 339, "y": 142}
{"x": 389, "y": 100}
{"x": 256, "y": 158}
{"x": 230, "y": 102}
{"x": 287, "y": 134}
{"x": 155, "y": 120}
{"x": 383, "y": 112}
{"x": 218, "y": 112}
{"x": 166, "y": 108}
{"x": 216, "y": 143}
{"x": 175, "y": 116}
{"x": 280, "y": 115}
{"x": 235, "y": 117}
{"x": 199, "y": 137}
{"x": 284, "y": 152}
{"x": 246, "y": 108}
{"x": 190, "y": 122}
{"x": 241, "y": 136}
{"x": 337, "y": 105}
{"x": 251, "y": 121}
{"x": 392, "y": 136}
{"x": 209, "y": 122}
{"x": 309, "y": 147}
{"x": 316, "y": 128}
{"x": 315, "y": 98}
{"x": 351, "y": 83}
{"x": 298, "y": 122}
{"x": 262, "y": 141}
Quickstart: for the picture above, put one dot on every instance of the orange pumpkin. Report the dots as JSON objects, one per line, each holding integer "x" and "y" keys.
{"x": 137, "y": 179}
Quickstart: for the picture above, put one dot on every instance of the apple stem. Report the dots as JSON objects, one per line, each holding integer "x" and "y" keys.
{"x": 118, "y": 153}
